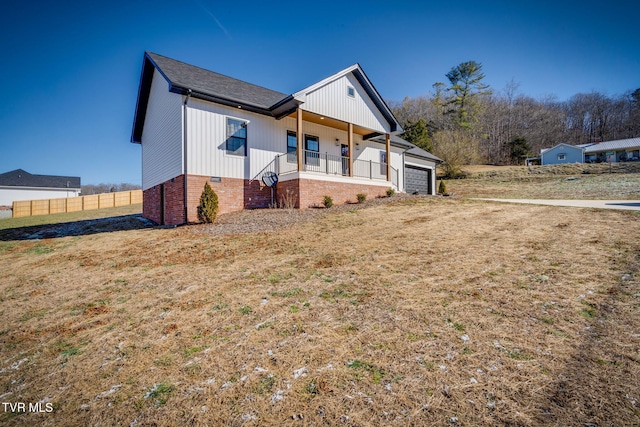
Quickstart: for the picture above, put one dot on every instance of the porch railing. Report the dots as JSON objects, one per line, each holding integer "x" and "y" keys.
{"x": 333, "y": 165}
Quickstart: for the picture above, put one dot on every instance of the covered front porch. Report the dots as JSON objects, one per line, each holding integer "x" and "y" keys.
{"x": 335, "y": 149}
{"x": 336, "y": 166}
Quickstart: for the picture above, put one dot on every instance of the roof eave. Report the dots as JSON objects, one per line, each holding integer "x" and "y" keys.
{"x": 229, "y": 102}
{"x": 144, "y": 90}
{"x": 431, "y": 158}
{"x": 382, "y": 106}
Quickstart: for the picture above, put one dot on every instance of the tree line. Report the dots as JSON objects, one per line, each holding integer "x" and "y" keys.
{"x": 465, "y": 121}
{"x": 88, "y": 189}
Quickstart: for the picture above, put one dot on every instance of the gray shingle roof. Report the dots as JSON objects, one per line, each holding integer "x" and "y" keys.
{"x": 183, "y": 77}
{"x": 204, "y": 84}
{"x": 412, "y": 149}
{"x": 619, "y": 144}
{"x": 22, "y": 178}
{"x": 214, "y": 87}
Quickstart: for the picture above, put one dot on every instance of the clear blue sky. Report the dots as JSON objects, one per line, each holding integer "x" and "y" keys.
{"x": 70, "y": 69}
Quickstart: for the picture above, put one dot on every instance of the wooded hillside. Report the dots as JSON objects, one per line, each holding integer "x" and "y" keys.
{"x": 464, "y": 121}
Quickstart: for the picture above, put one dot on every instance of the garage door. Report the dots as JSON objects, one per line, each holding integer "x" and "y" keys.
{"x": 418, "y": 180}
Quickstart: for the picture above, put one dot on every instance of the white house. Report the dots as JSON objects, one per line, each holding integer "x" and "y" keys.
{"x": 21, "y": 185}
{"x": 336, "y": 137}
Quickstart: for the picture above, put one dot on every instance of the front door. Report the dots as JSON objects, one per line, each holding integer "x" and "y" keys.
{"x": 344, "y": 153}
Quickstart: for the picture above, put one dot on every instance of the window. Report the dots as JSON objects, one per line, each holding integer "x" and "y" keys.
{"x": 562, "y": 156}
{"x": 351, "y": 92}
{"x": 236, "y": 137}
{"x": 312, "y": 153}
{"x": 292, "y": 147}
{"x": 383, "y": 163}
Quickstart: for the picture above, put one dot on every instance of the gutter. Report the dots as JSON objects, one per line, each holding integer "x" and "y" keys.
{"x": 184, "y": 152}
{"x": 16, "y": 187}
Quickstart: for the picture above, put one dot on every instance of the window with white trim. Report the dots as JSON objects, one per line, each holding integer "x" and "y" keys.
{"x": 351, "y": 92}
{"x": 562, "y": 156}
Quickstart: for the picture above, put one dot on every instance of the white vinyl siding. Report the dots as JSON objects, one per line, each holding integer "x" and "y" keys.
{"x": 10, "y": 195}
{"x": 162, "y": 135}
{"x": 266, "y": 138}
{"x": 332, "y": 100}
{"x": 207, "y": 134}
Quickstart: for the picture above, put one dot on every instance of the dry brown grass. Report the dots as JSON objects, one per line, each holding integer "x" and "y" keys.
{"x": 604, "y": 186}
{"x": 420, "y": 312}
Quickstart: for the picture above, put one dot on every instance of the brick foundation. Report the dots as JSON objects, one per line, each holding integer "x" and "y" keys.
{"x": 237, "y": 194}
{"x": 233, "y": 195}
{"x": 310, "y": 192}
{"x": 171, "y": 212}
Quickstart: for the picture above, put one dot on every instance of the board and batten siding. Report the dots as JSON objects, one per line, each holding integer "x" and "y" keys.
{"x": 162, "y": 135}
{"x": 332, "y": 100}
{"x": 206, "y": 136}
{"x": 266, "y": 138}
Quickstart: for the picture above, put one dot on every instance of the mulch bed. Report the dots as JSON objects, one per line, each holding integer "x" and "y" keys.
{"x": 270, "y": 220}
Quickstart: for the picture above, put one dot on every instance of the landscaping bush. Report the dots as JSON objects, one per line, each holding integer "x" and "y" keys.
{"x": 442, "y": 188}
{"x": 390, "y": 192}
{"x": 208, "y": 207}
{"x": 328, "y": 201}
{"x": 288, "y": 200}
{"x": 361, "y": 197}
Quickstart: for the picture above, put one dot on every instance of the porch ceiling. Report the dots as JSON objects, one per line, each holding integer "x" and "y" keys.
{"x": 330, "y": 122}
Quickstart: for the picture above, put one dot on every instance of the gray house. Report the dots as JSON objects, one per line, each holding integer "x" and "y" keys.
{"x": 562, "y": 153}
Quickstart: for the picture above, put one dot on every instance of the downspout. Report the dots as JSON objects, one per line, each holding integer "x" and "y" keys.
{"x": 184, "y": 152}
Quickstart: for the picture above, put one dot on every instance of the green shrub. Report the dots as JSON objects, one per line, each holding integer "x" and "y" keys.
{"x": 328, "y": 201}
{"x": 208, "y": 207}
{"x": 361, "y": 197}
{"x": 442, "y": 188}
{"x": 390, "y": 192}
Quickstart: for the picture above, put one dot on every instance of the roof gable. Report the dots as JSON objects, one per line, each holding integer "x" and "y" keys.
{"x": 22, "y": 178}
{"x": 561, "y": 145}
{"x": 358, "y": 73}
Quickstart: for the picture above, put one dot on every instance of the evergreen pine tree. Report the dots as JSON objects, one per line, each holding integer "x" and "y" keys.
{"x": 208, "y": 207}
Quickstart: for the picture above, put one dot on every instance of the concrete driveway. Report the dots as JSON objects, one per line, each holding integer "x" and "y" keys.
{"x": 631, "y": 205}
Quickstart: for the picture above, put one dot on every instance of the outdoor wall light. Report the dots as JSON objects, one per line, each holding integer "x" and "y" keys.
{"x": 337, "y": 141}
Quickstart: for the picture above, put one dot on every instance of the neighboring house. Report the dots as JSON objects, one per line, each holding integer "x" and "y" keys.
{"x": 621, "y": 150}
{"x": 561, "y": 153}
{"x": 336, "y": 137}
{"x": 21, "y": 185}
